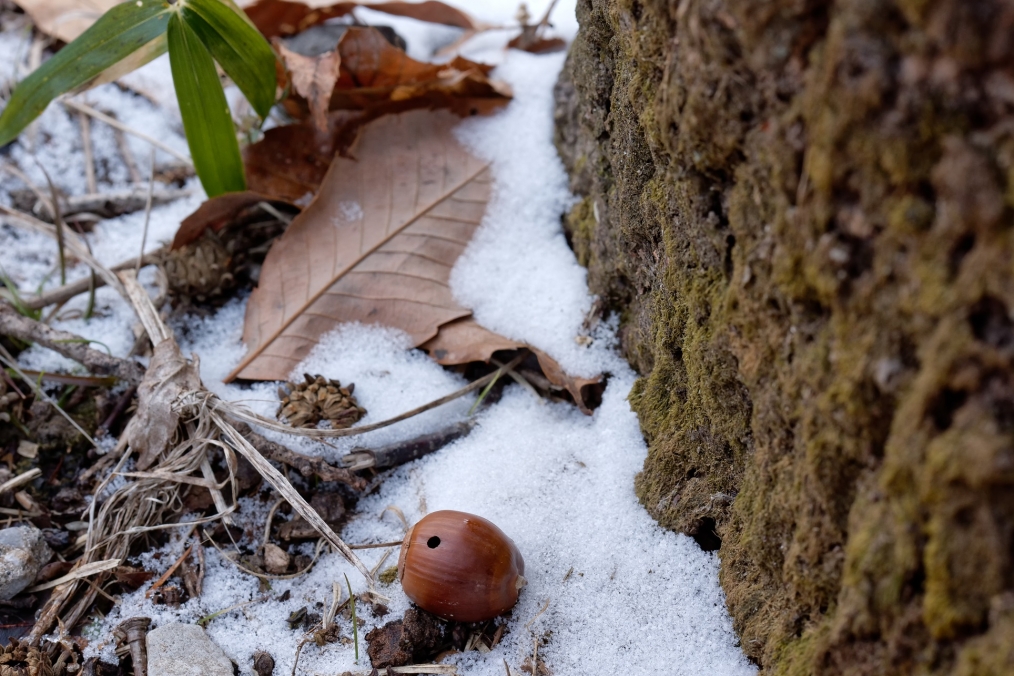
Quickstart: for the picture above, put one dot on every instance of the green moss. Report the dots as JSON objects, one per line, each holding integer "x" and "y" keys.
{"x": 388, "y": 575}
{"x": 809, "y": 248}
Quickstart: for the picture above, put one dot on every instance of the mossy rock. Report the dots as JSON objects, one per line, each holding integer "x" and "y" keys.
{"x": 803, "y": 213}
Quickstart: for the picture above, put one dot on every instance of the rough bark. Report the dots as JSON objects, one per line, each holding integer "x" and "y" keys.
{"x": 803, "y": 212}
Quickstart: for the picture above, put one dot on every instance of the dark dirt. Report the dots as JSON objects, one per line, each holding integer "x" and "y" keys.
{"x": 802, "y": 212}
{"x": 416, "y": 636}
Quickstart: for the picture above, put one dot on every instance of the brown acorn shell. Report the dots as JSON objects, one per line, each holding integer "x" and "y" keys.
{"x": 470, "y": 574}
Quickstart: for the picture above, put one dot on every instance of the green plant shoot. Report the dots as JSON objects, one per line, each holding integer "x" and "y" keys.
{"x": 197, "y": 33}
{"x": 355, "y": 623}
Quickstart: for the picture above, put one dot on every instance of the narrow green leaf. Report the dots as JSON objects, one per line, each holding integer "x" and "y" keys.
{"x": 206, "y": 118}
{"x": 116, "y": 35}
{"x": 239, "y": 49}
{"x": 141, "y": 57}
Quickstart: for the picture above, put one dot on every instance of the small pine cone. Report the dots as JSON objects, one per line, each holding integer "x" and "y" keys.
{"x": 306, "y": 404}
{"x": 201, "y": 270}
{"x": 21, "y": 659}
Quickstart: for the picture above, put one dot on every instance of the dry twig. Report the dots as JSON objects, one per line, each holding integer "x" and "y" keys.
{"x": 64, "y": 293}
{"x": 72, "y": 241}
{"x": 86, "y": 141}
{"x": 15, "y": 325}
{"x": 116, "y": 124}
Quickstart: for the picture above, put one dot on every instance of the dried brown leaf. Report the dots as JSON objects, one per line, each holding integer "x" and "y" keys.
{"x": 313, "y": 78}
{"x": 376, "y": 245}
{"x": 378, "y": 78}
{"x": 537, "y": 45}
{"x": 276, "y": 18}
{"x": 217, "y": 213}
{"x": 464, "y": 340}
{"x": 153, "y": 427}
{"x": 373, "y": 70}
{"x": 290, "y": 162}
{"x": 65, "y": 19}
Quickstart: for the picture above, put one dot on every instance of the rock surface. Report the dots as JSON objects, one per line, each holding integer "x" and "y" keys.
{"x": 185, "y": 650}
{"x": 23, "y": 552}
{"x": 803, "y": 213}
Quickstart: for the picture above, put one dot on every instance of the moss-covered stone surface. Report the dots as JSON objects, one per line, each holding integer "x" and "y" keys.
{"x": 803, "y": 212}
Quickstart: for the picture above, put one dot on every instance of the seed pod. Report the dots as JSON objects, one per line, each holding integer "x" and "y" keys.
{"x": 460, "y": 567}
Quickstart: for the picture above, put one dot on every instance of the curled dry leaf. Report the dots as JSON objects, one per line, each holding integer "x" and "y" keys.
{"x": 313, "y": 78}
{"x": 529, "y": 42}
{"x": 377, "y": 245}
{"x": 153, "y": 427}
{"x": 278, "y": 18}
{"x": 373, "y": 73}
{"x": 465, "y": 340}
{"x": 219, "y": 212}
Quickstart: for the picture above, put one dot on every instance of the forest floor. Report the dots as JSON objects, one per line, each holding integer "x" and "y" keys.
{"x": 608, "y": 590}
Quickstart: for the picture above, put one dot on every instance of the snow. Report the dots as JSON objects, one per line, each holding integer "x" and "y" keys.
{"x": 620, "y": 594}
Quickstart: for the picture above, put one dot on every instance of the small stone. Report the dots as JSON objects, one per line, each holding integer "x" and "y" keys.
{"x": 27, "y": 449}
{"x": 185, "y": 650}
{"x": 276, "y": 559}
{"x": 23, "y": 552}
{"x": 264, "y": 664}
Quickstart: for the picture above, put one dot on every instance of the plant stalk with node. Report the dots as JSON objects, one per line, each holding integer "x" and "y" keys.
{"x": 197, "y": 34}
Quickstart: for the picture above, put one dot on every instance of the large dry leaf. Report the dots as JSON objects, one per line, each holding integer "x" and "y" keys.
{"x": 65, "y": 19}
{"x": 376, "y": 245}
{"x": 279, "y": 18}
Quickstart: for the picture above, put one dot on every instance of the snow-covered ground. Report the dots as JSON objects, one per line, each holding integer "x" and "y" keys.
{"x": 624, "y": 596}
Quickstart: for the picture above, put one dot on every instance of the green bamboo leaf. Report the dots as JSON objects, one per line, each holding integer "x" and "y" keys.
{"x": 206, "y": 117}
{"x": 141, "y": 57}
{"x": 239, "y": 49}
{"x": 116, "y": 35}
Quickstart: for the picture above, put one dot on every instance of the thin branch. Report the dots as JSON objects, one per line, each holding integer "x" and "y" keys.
{"x": 72, "y": 241}
{"x": 8, "y": 360}
{"x": 116, "y": 124}
{"x": 67, "y": 344}
{"x": 64, "y": 293}
{"x": 240, "y": 413}
{"x": 86, "y": 141}
{"x": 147, "y": 212}
{"x": 304, "y": 464}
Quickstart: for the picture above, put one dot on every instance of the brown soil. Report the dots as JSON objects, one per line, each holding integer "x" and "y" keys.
{"x": 803, "y": 212}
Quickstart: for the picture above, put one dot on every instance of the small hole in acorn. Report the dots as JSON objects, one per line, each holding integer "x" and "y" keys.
{"x": 433, "y": 542}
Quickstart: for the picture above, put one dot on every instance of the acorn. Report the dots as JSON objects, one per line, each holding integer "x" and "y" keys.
{"x": 460, "y": 567}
